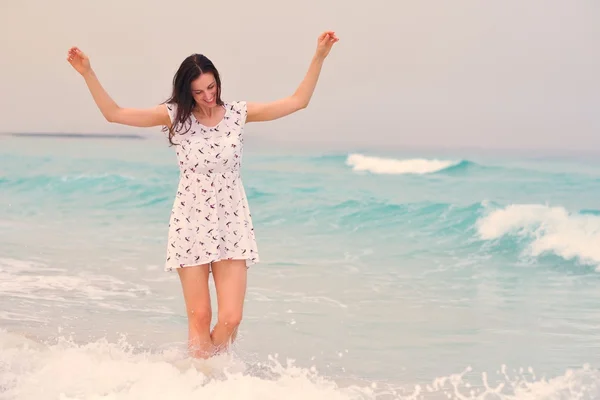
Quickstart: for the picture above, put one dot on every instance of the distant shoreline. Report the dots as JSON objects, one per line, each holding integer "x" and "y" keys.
{"x": 393, "y": 150}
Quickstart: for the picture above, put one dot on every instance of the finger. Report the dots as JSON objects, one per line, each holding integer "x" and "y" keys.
{"x": 325, "y": 34}
{"x": 75, "y": 50}
{"x": 331, "y": 36}
{"x": 79, "y": 56}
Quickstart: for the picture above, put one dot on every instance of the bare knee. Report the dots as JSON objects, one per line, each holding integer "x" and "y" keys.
{"x": 230, "y": 319}
{"x": 200, "y": 318}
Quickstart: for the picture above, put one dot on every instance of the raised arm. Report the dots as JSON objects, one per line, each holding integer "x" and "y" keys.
{"x": 301, "y": 97}
{"x": 141, "y": 117}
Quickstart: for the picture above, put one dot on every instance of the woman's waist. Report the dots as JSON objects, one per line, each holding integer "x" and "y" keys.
{"x": 208, "y": 174}
{"x": 208, "y": 169}
{"x": 197, "y": 185}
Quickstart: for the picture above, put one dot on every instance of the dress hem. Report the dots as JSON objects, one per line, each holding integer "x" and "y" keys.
{"x": 249, "y": 263}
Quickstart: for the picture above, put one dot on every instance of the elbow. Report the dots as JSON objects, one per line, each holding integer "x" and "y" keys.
{"x": 111, "y": 116}
{"x": 302, "y": 104}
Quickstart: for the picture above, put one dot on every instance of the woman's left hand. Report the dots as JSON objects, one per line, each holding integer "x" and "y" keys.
{"x": 325, "y": 43}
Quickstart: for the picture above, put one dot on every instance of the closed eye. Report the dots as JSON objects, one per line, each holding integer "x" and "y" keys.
{"x": 209, "y": 88}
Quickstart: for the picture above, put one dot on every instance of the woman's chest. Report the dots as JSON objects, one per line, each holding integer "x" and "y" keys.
{"x": 207, "y": 122}
{"x": 210, "y": 149}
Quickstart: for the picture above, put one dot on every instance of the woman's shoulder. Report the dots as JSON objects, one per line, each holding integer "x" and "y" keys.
{"x": 235, "y": 104}
{"x": 171, "y": 110}
{"x": 238, "y": 107}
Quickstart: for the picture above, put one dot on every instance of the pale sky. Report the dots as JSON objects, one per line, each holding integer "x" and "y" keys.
{"x": 502, "y": 74}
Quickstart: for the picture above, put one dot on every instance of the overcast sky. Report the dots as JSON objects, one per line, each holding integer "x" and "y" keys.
{"x": 510, "y": 73}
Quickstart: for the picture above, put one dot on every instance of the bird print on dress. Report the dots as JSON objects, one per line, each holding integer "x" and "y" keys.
{"x": 210, "y": 219}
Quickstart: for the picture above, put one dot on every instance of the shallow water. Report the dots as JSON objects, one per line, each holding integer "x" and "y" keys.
{"x": 384, "y": 273}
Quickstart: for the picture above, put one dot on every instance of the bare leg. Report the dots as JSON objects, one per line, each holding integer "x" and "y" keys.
{"x": 194, "y": 282}
{"x": 230, "y": 284}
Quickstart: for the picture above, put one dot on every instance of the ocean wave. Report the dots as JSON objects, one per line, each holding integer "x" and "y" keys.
{"x": 426, "y": 166}
{"x": 569, "y": 235}
{"x": 68, "y": 182}
{"x": 31, "y": 368}
{"x": 147, "y": 186}
{"x": 419, "y": 166}
{"x": 35, "y": 280}
{"x": 540, "y": 229}
{"x": 382, "y": 218}
{"x": 111, "y": 190}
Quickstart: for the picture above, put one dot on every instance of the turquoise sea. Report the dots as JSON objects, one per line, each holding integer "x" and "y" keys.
{"x": 384, "y": 274}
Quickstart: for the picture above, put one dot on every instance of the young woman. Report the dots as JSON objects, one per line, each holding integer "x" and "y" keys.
{"x": 210, "y": 228}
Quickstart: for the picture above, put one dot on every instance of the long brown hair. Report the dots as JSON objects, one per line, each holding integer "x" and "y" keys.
{"x": 189, "y": 70}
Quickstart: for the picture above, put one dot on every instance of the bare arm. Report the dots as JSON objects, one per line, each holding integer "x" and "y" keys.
{"x": 141, "y": 117}
{"x": 301, "y": 97}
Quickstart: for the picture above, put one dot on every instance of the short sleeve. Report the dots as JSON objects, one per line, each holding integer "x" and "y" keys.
{"x": 242, "y": 109}
{"x": 172, "y": 110}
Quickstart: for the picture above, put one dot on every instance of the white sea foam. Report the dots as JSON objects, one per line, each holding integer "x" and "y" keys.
{"x": 378, "y": 165}
{"x": 32, "y": 369}
{"x": 35, "y": 280}
{"x": 268, "y": 295}
{"x": 554, "y": 230}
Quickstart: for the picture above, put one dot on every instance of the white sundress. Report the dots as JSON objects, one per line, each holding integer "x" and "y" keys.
{"x": 210, "y": 219}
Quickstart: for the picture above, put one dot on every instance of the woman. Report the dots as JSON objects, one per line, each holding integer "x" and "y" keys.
{"x": 210, "y": 228}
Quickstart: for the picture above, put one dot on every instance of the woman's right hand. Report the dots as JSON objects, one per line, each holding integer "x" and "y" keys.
{"x": 79, "y": 60}
{"x": 140, "y": 117}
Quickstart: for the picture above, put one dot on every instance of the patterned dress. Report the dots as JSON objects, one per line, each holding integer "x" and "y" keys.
{"x": 210, "y": 220}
